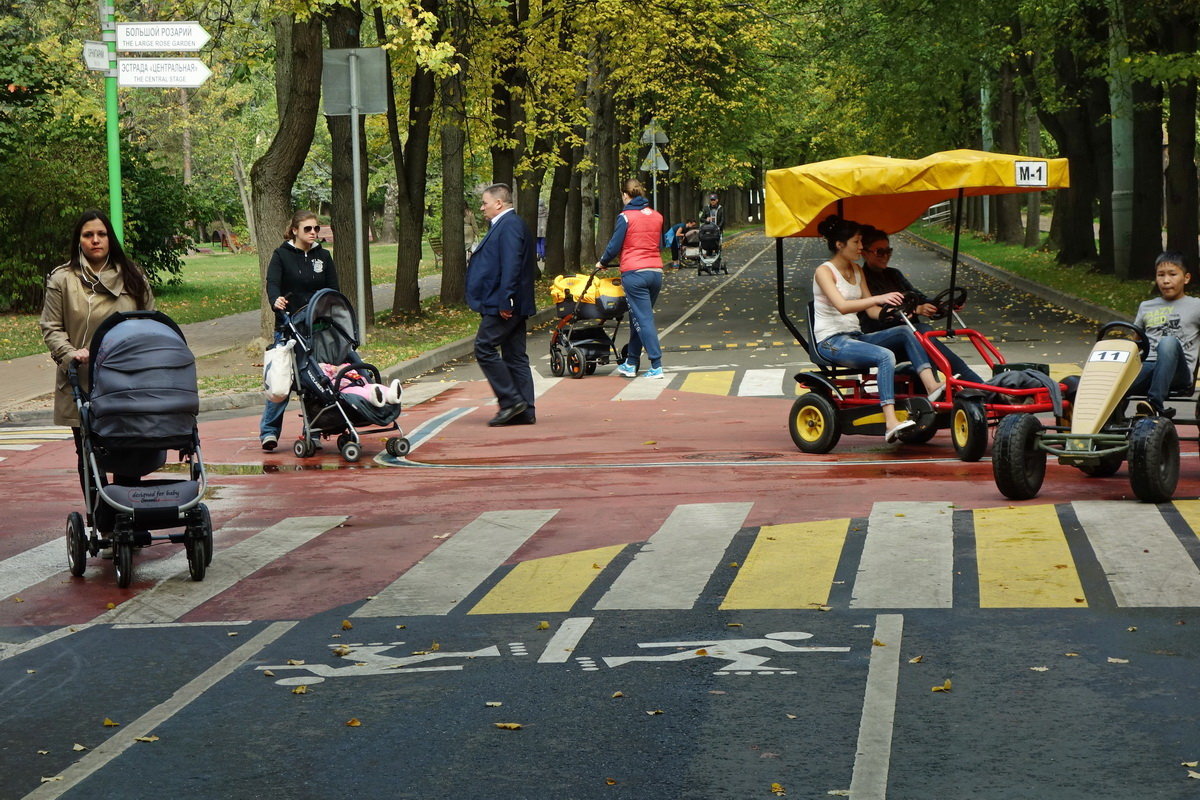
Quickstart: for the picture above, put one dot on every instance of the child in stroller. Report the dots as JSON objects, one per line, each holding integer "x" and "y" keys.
{"x": 325, "y": 333}
{"x": 690, "y": 250}
{"x": 142, "y": 402}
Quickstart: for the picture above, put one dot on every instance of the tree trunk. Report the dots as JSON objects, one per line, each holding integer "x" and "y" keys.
{"x": 573, "y": 233}
{"x": 1183, "y": 214}
{"x": 556, "y": 212}
{"x": 1033, "y": 200}
{"x": 387, "y": 223}
{"x": 1008, "y": 109}
{"x": 601, "y": 143}
{"x": 411, "y": 159}
{"x": 1146, "y": 240}
{"x": 297, "y": 92}
{"x": 243, "y": 187}
{"x": 454, "y": 205}
{"x": 344, "y": 24}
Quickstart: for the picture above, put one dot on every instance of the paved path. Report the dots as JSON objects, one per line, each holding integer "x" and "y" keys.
{"x": 31, "y": 377}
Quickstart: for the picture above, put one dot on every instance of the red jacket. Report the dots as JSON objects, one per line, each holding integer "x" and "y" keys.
{"x": 636, "y": 237}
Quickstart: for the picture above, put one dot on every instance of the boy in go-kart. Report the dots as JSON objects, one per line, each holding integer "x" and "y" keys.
{"x": 1172, "y": 325}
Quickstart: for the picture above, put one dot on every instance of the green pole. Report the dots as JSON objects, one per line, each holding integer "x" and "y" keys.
{"x": 116, "y": 213}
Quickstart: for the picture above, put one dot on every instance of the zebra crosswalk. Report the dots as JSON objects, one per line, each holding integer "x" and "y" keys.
{"x": 902, "y": 555}
{"x": 28, "y": 438}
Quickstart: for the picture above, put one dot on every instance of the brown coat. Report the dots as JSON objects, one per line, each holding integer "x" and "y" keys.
{"x": 71, "y": 312}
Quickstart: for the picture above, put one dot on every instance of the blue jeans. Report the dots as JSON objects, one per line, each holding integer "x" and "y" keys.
{"x": 879, "y": 350}
{"x": 1166, "y": 374}
{"x": 641, "y": 291}
{"x": 271, "y": 423}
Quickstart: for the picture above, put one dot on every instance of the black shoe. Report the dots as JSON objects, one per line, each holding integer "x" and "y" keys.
{"x": 528, "y": 418}
{"x": 506, "y": 415}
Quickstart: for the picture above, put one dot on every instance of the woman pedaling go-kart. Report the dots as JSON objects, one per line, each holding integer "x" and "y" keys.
{"x": 891, "y": 194}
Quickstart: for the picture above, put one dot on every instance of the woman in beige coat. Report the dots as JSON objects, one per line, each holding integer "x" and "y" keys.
{"x": 97, "y": 280}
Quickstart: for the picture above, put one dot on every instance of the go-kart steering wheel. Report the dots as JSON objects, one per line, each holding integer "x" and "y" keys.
{"x": 906, "y": 308}
{"x": 1126, "y": 330}
{"x": 946, "y": 303}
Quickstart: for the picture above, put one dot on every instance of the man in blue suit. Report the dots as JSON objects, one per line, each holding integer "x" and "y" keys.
{"x": 500, "y": 287}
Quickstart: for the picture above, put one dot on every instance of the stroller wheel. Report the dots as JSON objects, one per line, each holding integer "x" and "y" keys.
{"x": 303, "y": 448}
{"x": 123, "y": 561}
{"x": 575, "y": 362}
{"x": 77, "y": 545}
{"x": 197, "y": 556}
{"x": 207, "y": 533}
{"x": 558, "y": 364}
{"x": 398, "y": 446}
{"x": 351, "y": 451}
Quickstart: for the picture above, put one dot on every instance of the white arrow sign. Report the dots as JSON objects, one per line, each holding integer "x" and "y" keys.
{"x": 183, "y": 73}
{"x": 155, "y": 36}
{"x": 95, "y": 55}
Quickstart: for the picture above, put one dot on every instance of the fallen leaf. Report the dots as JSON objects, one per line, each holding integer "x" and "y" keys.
{"x": 701, "y": 652}
{"x": 433, "y": 648}
{"x": 650, "y": 442}
{"x": 618, "y": 694}
{"x": 231, "y": 633}
{"x": 716, "y": 691}
{"x": 1190, "y": 764}
{"x": 55, "y": 778}
{"x": 824, "y": 608}
{"x": 342, "y": 650}
{"x": 610, "y": 781}
{"x": 493, "y": 704}
{"x": 1040, "y": 669}
{"x": 777, "y": 790}
{"x": 508, "y": 726}
{"x": 1071, "y": 655}
{"x": 597, "y": 566}
{"x": 108, "y": 723}
{"x": 878, "y": 643}
{"x": 31, "y": 672}
{"x": 146, "y": 739}
{"x": 110, "y": 607}
{"x": 347, "y": 624}
{"x": 77, "y": 747}
{"x": 916, "y": 659}
{"x": 1193, "y": 774}
{"x": 300, "y": 690}
{"x": 1112, "y": 660}
{"x": 791, "y": 716}
{"x": 268, "y": 673}
{"x": 769, "y": 755}
{"x": 18, "y": 600}
{"x": 655, "y": 712}
{"x": 543, "y": 625}
{"x": 733, "y": 624}
{"x": 945, "y": 687}
{"x": 295, "y": 662}
{"x": 1131, "y": 628}
{"x": 401, "y": 627}
{"x": 353, "y": 723}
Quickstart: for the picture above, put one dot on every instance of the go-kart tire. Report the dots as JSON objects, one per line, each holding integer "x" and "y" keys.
{"x": 558, "y": 363}
{"x": 968, "y": 429}
{"x": 1018, "y": 466}
{"x": 1103, "y": 466}
{"x": 197, "y": 557}
{"x": 123, "y": 562}
{"x": 813, "y": 424}
{"x": 576, "y": 362}
{"x": 398, "y": 446}
{"x": 1153, "y": 459}
{"x": 77, "y": 544}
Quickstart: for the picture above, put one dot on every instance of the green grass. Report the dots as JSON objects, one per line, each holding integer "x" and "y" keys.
{"x": 213, "y": 286}
{"x": 1040, "y": 266}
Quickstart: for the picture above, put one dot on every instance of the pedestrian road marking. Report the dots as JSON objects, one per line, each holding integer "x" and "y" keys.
{"x": 547, "y": 585}
{"x": 789, "y": 566}
{"x": 1023, "y": 559}
{"x": 672, "y": 568}
{"x": 908, "y": 558}
{"x": 762, "y": 383}
{"x": 1145, "y": 563}
{"x": 718, "y": 383}
{"x": 19, "y": 572}
{"x": 438, "y": 583}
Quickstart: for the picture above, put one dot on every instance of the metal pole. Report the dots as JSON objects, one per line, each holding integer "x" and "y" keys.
{"x": 958, "y": 212}
{"x": 116, "y": 213}
{"x": 356, "y": 160}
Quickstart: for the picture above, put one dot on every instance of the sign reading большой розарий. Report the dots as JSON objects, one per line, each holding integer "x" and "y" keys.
{"x": 161, "y": 36}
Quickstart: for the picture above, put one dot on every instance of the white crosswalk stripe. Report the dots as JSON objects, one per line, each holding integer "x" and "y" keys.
{"x": 32, "y": 567}
{"x": 762, "y": 383}
{"x": 908, "y": 558}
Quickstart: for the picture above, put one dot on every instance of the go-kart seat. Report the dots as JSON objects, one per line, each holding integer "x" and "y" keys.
{"x": 828, "y": 367}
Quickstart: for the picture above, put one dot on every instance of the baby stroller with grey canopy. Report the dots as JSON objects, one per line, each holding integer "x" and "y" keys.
{"x": 142, "y": 403}
{"x": 326, "y": 333}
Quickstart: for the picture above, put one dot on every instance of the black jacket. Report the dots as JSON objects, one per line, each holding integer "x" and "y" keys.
{"x": 298, "y": 275}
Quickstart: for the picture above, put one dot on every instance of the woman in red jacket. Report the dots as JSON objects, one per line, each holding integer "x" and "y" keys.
{"x": 636, "y": 238}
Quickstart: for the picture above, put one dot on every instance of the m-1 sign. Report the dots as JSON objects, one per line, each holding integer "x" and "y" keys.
{"x": 179, "y": 73}
{"x": 159, "y": 36}
{"x": 1031, "y": 173}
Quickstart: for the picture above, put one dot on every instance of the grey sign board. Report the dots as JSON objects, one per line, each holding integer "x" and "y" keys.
{"x": 371, "y": 66}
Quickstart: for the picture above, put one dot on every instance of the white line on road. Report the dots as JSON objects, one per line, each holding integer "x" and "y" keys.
{"x": 762, "y": 383}
{"x": 908, "y": 557}
{"x": 673, "y": 567}
{"x": 873, "y": 756}
{"x": 440, "y": 582}
{"x": 32, "y": 567}
{"x": 10, "y": 650}
{"x": 104, "y": 753}
{"x": 564, "y": 641}
{"x": 1146, "y": 565}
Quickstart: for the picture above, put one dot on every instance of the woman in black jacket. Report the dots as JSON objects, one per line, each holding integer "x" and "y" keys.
{"x": 299, "y": 268}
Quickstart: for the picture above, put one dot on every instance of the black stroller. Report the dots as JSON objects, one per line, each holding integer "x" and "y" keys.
{"x": 326, "y": 333}
{"x": 142, "y": 403}
{"x": 711, "y": 260}
{"x": 580, "y": 342}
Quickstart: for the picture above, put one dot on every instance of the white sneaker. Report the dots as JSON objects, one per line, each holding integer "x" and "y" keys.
{"x": 893, "y": 434}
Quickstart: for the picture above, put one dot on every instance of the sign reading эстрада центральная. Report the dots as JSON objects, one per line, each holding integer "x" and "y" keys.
{"x": 185, "y": 73}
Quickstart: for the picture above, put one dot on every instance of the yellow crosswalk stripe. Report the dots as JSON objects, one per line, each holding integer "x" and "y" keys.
{"x": 789, "y": 566}
{"x": 1023, "y": 559}
{"x": 545, "y": 585}
{"x": 1190, "y": 511}
{"x": 716, "y": 382}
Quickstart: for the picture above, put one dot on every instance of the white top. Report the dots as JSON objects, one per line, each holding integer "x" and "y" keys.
{"x": 827, "y": 320}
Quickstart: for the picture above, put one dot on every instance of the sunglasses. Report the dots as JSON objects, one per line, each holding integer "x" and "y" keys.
{"x": 311, "y": 228}
{"x": 882, "y": 252}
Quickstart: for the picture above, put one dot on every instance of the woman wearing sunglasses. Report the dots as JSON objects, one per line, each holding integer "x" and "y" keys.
{"x": 883, "y": 278}
{"x": 299, "y": 268}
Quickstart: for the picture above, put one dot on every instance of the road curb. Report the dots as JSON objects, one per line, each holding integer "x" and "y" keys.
{"x": 1084, "y": 308}
{"x": 405, "y": 370}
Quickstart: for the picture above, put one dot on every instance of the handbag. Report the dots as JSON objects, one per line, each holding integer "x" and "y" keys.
{"x": 279, "y": 362}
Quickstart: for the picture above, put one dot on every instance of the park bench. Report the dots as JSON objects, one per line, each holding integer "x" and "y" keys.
{"x": 435, "y": 244}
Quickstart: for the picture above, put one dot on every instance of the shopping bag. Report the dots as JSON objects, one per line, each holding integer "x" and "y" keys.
{"x": 278, "y": 364}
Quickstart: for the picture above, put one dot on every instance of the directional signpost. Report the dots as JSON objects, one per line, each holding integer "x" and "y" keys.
{"x": 654, "y": 162}
{"x": 138, "y": 73}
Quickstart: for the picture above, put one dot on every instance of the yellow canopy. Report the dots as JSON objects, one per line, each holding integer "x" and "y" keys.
{"x": 891, "y": 193}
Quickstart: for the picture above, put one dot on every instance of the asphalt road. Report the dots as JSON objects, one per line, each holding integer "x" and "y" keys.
{"x": 664, "y": 595}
